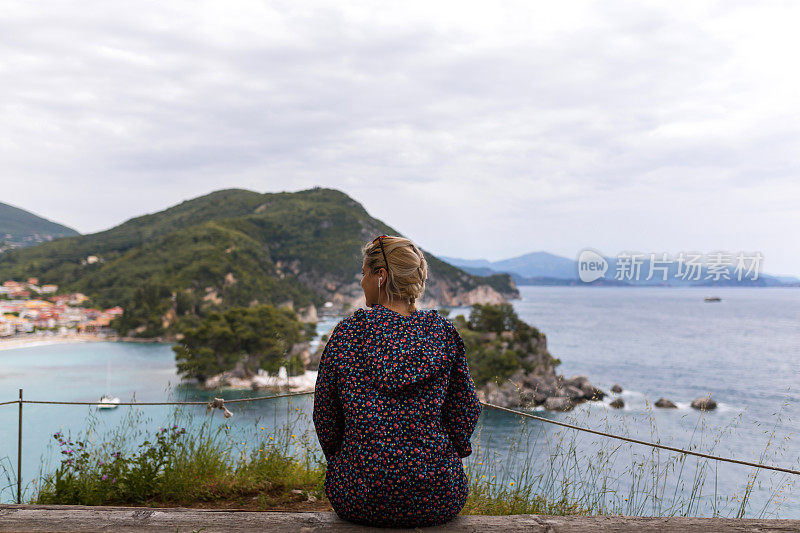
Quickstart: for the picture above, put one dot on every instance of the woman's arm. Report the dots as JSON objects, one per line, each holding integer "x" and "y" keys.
{"x": 461, "y": 408}
{"x": 328, "y": 415}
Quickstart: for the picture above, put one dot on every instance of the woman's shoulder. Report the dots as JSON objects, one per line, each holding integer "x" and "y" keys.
{"x": 361, "y": 317}
{"x": 439, "y": 319}
{"x": 358, "y": 318}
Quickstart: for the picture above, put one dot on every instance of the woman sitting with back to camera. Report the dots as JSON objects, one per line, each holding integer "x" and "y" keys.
{"x": 395, "y": 405}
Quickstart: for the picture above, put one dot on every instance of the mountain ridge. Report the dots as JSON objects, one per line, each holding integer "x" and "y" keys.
{"x": 234, "y": 247}
{"x": 20, "y": 227}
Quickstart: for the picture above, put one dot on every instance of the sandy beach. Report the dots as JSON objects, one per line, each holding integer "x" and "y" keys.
{"x": 28, "y": 341}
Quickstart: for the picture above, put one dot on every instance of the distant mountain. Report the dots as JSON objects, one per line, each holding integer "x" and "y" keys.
{"x": 536, "y": 264}
{"x": 234, "y": 247}
{"x": 471, "y": 263}
{"x": 543, "y": 268}
{"x": 22, "y": 228}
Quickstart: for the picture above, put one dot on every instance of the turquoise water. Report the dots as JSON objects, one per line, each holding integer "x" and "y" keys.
{"x": 744, "y": 351}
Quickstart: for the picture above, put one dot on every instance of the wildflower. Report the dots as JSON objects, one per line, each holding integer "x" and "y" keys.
{"x": 262, "y": 428}
{"x": 293, "y": 436}
{"x": 483, "y": 476}
{"x": 105, "y": 477}
{"x": 511, "y": 483}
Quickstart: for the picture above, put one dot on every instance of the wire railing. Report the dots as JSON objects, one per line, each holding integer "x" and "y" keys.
{"x": 220, "y": 403}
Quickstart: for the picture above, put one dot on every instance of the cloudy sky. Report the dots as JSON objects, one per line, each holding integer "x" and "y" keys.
{"x": 480, "y": 130}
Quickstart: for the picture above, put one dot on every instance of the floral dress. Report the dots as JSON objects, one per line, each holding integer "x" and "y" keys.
{"x": 394, "y": 410}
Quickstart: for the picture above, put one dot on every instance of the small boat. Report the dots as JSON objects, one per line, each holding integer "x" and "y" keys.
{"x": 108, "y": 402}
{"x": 712, "y": 299}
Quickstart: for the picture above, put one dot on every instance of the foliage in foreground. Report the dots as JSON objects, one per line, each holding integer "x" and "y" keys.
{"x": 534, "y": 470}
{"x": 179, "y": 466}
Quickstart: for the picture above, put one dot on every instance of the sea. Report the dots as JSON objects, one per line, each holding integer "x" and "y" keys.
{"x": 743, "y": 351}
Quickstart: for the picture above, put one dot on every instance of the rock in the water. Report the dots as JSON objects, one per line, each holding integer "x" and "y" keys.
{"x": 577, "y": 381}
{"x": 665, "y": 404}
{"x": 540, "y": 386}
{"x": 617, "y": 404}
{"x": 593, "y": 393}
{"x": 573, "y": 393}
{"x": 558, "y": 403}
{"x": 616, "y": 389}
{"x": 589, "y": 392}
{"x": 704, "y": 403}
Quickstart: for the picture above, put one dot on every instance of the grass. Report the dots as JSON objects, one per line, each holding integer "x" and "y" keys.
{"x": 202, "y": 461}
{"x": 542, "y": 468}
{"x": 188, "y": 463}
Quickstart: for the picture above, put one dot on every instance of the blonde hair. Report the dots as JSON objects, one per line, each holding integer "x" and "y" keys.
{"x": 407, "y": 268}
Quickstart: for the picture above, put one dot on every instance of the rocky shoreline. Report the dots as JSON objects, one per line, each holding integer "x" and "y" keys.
{"x": 553, "y": 392}
{"x": 561, "y": 394}
{"x": 280, "y": 382}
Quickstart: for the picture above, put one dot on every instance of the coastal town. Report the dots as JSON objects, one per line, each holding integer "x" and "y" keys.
{"x": 29, "y": 308}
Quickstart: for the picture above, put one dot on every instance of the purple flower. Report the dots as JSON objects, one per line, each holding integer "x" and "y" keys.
{"x": 113, "y": 480}
{"x": 105, "y": 477}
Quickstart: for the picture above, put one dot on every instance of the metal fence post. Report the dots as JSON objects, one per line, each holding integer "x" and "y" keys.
{"x": 19, "y": 452}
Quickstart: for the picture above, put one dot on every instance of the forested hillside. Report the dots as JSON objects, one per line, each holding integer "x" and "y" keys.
{"x": 19, "y": 227}
{"x": 229, "y": 248}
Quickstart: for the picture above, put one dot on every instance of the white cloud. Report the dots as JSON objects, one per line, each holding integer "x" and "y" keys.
{"x": 479, "y": 129}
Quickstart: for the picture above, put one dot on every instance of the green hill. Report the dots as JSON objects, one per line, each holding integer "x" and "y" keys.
{"x": 232, "y": 247}
{"x": 22, "y": 228}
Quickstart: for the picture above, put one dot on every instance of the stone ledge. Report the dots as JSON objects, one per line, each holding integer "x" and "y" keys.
{"x": 37, "y": 518}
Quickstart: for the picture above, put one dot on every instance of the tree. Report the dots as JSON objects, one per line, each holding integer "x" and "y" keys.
{"x": 496, "y": 318}
{"x": 257, "y": 337}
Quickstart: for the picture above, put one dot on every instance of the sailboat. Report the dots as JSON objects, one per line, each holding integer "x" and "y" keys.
{"x": 107, "y": 401}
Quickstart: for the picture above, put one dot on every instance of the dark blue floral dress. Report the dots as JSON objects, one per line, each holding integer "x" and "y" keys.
{"x": 394, "y": 410}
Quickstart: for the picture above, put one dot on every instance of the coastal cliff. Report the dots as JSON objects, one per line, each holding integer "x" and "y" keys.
{"x": 511, "y": 365}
